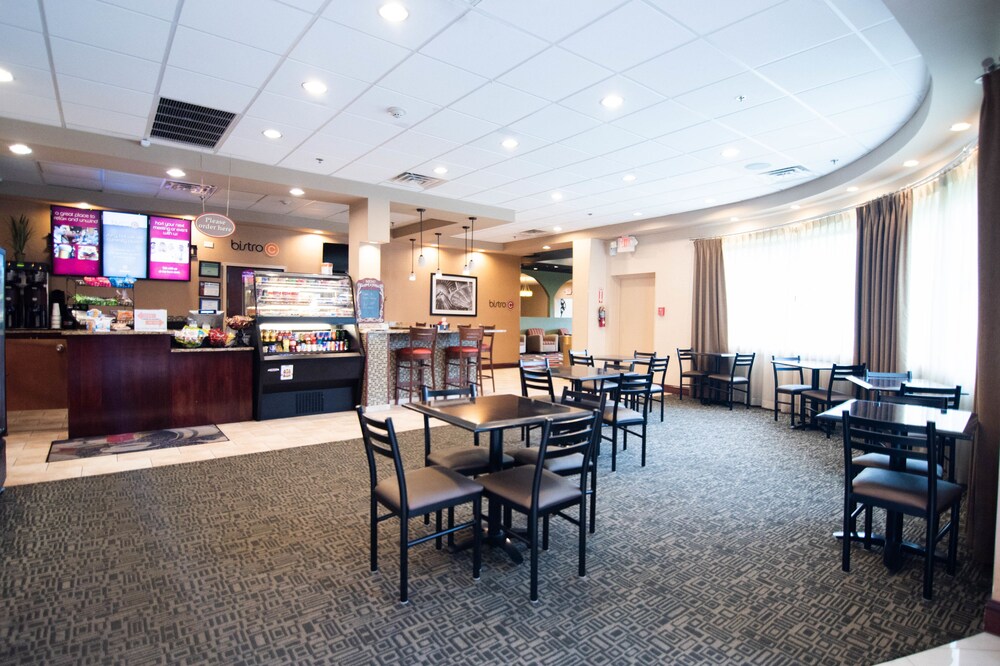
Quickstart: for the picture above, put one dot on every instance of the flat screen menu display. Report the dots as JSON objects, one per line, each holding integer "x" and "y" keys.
{"x": 124, "y": 250}
{"x": 76, "y": 241}
{"x": 169, "y": 248}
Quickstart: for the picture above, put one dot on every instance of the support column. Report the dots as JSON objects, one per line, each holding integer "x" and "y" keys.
{"x": 368, "y": 228}
{"x": 590, "y": 285}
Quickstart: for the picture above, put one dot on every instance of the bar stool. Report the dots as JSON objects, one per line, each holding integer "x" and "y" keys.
{"x": 465, "y": 357}
{"x": 416, "y": 358}
{"x": 486, "y": 356}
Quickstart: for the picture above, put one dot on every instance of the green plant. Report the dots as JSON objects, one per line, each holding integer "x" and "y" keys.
{"x": 20, "y": 234}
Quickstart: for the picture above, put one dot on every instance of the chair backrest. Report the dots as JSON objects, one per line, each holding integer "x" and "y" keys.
{"x": 534, "y": 363}
{"x": 565, "y": 437}
{"x": 422, "y": 337}
{"x": 380, "y": 439}
{"x": 779, "y": 367}
{"x": 584, "y": 400}
{"x": 641, "y": 354}
{"x": 654, "y": 365}
{"x": 940, "y": 398}
{"x": 427, "y": 394}
{"x": 581, "y": 358}
{"x": 840, "y": 373}
{"x": 685, "y": 355}
{"x": 470, "y": 336}
{"x": 742, "y": 361}
{"x": 633, "y": 386}
{"x": 534, "y": 331}
{"x": 620, "y": 366}
{"x": 537, "y": 377}
{"x": 905, "y": 376}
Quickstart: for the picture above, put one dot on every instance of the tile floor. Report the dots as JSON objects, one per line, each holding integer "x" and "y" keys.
{"x": 31, "y": 433}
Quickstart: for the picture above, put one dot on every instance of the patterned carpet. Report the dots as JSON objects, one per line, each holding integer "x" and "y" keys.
{"x": 718, "y": 552}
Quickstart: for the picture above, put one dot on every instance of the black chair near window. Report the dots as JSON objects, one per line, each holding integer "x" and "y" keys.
{"x": 737, "y": 379}
{"x": 467, "y": 461}
{"x": 694, "y": 376}
{"x": 899, "y": 492}
{"x": 938, "y": 398}
{"x": 903, "y": 376}
{"x": 412, "y": 493}
{"x": 815, "y": 401}
{"x": 537, "y": 376}
{"x": 782, "y": 373}
{"x": 631, "y": 390}
{"x": 657, "y": 367}
{"x": 580, "y": 357}
{"x": 537, "y": 493}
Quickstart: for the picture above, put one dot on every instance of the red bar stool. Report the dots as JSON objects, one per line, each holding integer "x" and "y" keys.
{"x": 416, "y": 358}
{"x": 465, "y": 358}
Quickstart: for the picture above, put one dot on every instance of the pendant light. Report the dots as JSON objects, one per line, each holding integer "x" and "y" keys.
{"x": 465, "y": 249}
{"x": 413, "y": 276}
{"x": 472, "y": 240}
{"x": 438, "y": 234}
{"x": 420, "y": 260}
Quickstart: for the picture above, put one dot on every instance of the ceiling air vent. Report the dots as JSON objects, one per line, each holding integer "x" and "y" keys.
{"x": 414, "y": 181}
{"x": 532, "y": 232}
{"x": 796, "y": 171}
{"x": 190, "y": 123}
{"x": 201, "y": 191}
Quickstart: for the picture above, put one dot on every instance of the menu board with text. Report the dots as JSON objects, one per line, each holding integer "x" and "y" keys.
{"x": 75, "y": 241}
{"x": 169, "y": 248}
{"x": 124, "y": 244}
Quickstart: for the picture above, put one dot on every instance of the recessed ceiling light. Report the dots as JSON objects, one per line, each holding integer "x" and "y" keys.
{"x": 729, "y": 153}
{"x": 960, "y": 127}
{"x": 5, "y": 76}
{"x": 629, "y": 177}
{"x": 20, "y": 149}
{"x": 556, "y": 228}
{"x": 176, "y": 173}
{"x": 546, "y": 247}
{"x": 794, "y": 206}
{"x": 440, "y": 170}
{"x": 557, "y": 196}
{"x": 612, "y": 101}
{"x": 911, "y": 163}
{"x": 314, "y": 87}
{"x": 637, "y": 213}
{"x": 734, "y": 219}
{"x": 393, "y": 11}
{"x": 509, "y": 144}
{"x": 296, "y": 191}
{"x": 710, "y": 200}
{"x": 852, "y": 188}
{"x": 272, "y": 134}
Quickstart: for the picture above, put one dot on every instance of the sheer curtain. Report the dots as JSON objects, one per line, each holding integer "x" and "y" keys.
{"x": 940, "y": 301}
{"x": 790, "y": 292}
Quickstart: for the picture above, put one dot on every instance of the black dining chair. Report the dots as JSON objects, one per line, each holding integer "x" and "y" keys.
{"x": 902, "y": 376}
{"x": 694, "y": 376}
{"x": 538, "y": 493}
{"x": 657, "y": 367}
{"x": 938, "y": 398}
{"x": 632, "y": 390}
{"x": 814, "y": 401}
{"x": 792, "y": 389}
{"x": 468, "y": 460}
{"x": 898, "y": 492}
{"x": 537, "y": 376}
{"x": 412, "y": 493}
{"x": 737, "y": 379}
{"x": 580, "y": 357}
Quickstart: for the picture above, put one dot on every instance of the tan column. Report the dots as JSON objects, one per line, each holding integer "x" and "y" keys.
{"x": 590, "y": 285}
{"x": 368, "y": 228}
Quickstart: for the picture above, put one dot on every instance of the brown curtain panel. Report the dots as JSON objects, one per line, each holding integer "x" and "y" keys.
{"x": 981, "y": 523}
{"x": 709, "y": 325}
{"x": 882, "y": 229}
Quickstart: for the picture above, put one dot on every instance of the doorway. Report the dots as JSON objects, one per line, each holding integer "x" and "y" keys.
{"x": 634, "y": 316}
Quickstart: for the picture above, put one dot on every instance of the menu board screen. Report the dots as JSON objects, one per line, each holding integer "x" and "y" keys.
{"x": 124, "y": 244}
{"x": 75, "y": 241}
{"x": 169, "y": 248}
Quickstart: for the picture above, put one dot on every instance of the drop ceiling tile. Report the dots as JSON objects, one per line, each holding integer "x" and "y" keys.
{"x": 94, "y": 64}
{"x": 674, "y": 166}
{"x": 231, "y": 61}
{"x": 23, "y": 15}
{"x": 37, "y": 109}
{"x": 722, "y": 98}
{"x": 703, "y": 17}
{"x": 857, "y": 91}
{"x": 891, "y": 41}
{"x": 375, "y": 102}
{"x": 628, "y": 36}
{"x": 596, "y": 167}
{"x": 658, "y": 120}
{"x": 329, "y": 44}
{"x": 30, "y": 81}
{"x": 22, "y": 47}
{"x": 431, "y": 80}
{"x": 425, "y": 21}
{"x": 516, "y": 168}
{"x": 367, "y": 173}
{"x": 278, "y": 205}
{"x": 498, "y": 103}
{"x": 602, "y": 139}
{"x": 817, "y": 156}
{"x": 483, "y": 45}
{"x": 697, "y": 137}
{"x": 873, "y": 116}
{"x": 636, "y": 97}
{"x": 551, "y": 20}
{"x": 461, "y": 127}
{"x": 255, "y": 151}
{"x": 251, "y": 128}
{"x": 554, "y": 123}
{"x": 16, "y": 169}
{"x": 360, "y": 128}
{"x": 321, "y": 209}
{"x": 595, "y": 187}
{"x": 109, "y": 27}
{"x": 77, "y": 183}
{"x": 492, "y": 142}
{"x": 543, "y": 183}
{"x": 420, "y": 145}
{"x": 490, "y": 198}
{"x": 161, "y": 9}
{"x": 100, "y": 95}
{"x": 226, "y": 198}
{"x": 484, "y": 180}
{"x": 307, "y": 159}
{"x": 642, "y": 153}
{"x": 766, "y": 117}
{"x": 802, "y": 134}
{"x": 128, "y": 183}
{"x": 457, "y": 190}
{"x": 556, "y": 155}
{"x": 864, "y": 13}
{"x": 472, "y": 157}
{"x": 765, "y": 37}
{"x": 187, "y": 86}
{"x": 876, "y": 137}
{"x": 693, "y": 65}
{"x": 53, "y": 169}
{"x": 289, "y": 112}
{"x": 555, "y": 73}
{"x": 104, "y": 121}
{"x": 263, "y": 24}
{"x": 334, "y": 149}
{"x": 840, "y": 59}
{"x": 914, "y": 74}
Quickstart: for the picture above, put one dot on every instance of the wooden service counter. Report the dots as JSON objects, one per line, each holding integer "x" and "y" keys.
{"x": 129, "y": 381}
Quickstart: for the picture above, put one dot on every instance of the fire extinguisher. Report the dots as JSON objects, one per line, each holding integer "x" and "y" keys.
{"x": 602, "y": 317}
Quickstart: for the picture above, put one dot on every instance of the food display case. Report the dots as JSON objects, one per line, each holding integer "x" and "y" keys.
{"x": 309, "y": 358}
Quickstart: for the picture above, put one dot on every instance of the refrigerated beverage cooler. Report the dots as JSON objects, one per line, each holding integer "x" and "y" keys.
{"x": 26, "y": 295}
{"x": 308, "y": 356}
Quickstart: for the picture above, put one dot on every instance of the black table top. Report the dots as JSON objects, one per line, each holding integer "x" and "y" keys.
{"x": 492, "y": 412}
{"x": 615, "y": 358}
{"x": 957, "y": 423}
{"x": 584, "y": 373}
{"x": 895, "y": 385}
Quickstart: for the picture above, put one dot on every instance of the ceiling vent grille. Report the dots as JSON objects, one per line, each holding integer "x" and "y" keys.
{"x": 784, "y": 173}
{"x": 201, "y": 191}
{"x": 414, "y": 181}
{"x": 532, "y": 232}
{"x": 190, "y": 123}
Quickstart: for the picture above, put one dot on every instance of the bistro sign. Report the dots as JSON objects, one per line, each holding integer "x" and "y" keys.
{"x": 214, "y": 225}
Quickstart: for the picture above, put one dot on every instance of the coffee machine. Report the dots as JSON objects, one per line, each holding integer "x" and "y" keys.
{"x": 26, "y": 295}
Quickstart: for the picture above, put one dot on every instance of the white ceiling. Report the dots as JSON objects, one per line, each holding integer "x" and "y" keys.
{"x": 812, "y": 83}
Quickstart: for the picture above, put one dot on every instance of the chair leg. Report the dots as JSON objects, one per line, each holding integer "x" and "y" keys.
{"x": 582, "y": 554}
{"x": 533, "y": 542}
{"x": 373, "y": 546}
{"x": 929, "y": 548}
{"x": 663, "y": 399}
{"x": 477, "y": 538}
{"x": 545, "y": 532}
{"x": 404, "y": 550}
{"x": 614, "y": 448}
{"x": 437, "y": 525}
{"x": 593, "y": 500}
{"x": 776, "y": 405}
{"x": 644, "y": 443}
{"x": 845, "y": 556}
{"x": 953, "y": 539}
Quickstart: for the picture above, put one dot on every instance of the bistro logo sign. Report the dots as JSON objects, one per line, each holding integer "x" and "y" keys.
{"x": 503, "y": 305}
{"x": 215, "y": 225}
{"x": 270, "y": 249}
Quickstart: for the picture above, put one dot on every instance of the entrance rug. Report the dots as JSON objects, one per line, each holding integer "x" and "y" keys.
{"x": 130, "y": 442}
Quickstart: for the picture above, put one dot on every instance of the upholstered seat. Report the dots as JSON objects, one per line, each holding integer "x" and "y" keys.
{"x": 517, "y": 483}
{"x": 908, "y": 490}
{"x": 882, "y": 461}
{"x": 428, "y": 489}
{"x": 565, "y": 465}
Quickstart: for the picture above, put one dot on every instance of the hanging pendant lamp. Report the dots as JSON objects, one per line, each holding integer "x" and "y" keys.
{"x": 413, "y": 276}
{"x": 420, "y": 260}
{"x": 465, "y": 249}
{"x": 438, "y": 234}
{"x": 472, "y": 240}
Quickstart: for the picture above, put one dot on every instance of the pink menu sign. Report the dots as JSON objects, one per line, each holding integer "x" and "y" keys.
{"x": 76, "y": 241}
{"x": 169, "y": 248}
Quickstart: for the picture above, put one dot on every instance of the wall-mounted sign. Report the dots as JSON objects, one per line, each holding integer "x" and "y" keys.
{"x": 371, "y": 301}
{"x": 502, "y": 305}
{"x": 660, "y": 311}
{"x": 215, "y": 225}
{"x": 627, "y": 243}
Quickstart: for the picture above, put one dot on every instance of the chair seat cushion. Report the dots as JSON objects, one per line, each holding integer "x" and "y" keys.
{"x": 820, "y": 395}
{"x": 563, "y": 465}
{"x": 428, "y": 489}
{"x": 656, "y": 388}
{"x": 792, "y": 388}
{"x": 513, "y": 486}
{"x": 694, "y": 373}
{"x": 626, "y": 416}
{"x": 468, "y": 461}
{"x": 407, "y": 352}
{"x": 726, "y": 378}
{"x": 882, "y": 461}
{"x": 462, "y": 350}
{"x": 908, "y": 490}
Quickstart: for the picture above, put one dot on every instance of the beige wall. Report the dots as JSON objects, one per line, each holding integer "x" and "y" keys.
{"x": 538, "y": 304}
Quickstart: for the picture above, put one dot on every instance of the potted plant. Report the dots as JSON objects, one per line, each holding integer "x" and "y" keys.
{"x": 20, "y": 234}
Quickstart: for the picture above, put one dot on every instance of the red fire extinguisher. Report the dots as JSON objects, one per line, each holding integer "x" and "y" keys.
{"x": 602, "y": 317}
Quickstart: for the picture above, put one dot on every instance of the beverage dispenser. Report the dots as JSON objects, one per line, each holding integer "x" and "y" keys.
{"x": 26, "y": 295}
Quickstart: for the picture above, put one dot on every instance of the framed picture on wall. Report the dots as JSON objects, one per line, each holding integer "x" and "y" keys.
{"x": 453, "y": 295}
{"x": 210, "y": 289}
{"x": 209, "y": 269}
{"x": 209, "y": 303}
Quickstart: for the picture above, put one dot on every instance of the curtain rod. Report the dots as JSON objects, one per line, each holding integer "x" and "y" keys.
{"x": 963, "y": 155}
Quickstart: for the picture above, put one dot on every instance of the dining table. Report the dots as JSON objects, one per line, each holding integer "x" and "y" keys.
{"x": 577, "y": 375}
{"x": 954, "y": 424}
{"x": 494, "y": 414}
{"x": 879, "y": 385}
{"x": 615, "y": 358}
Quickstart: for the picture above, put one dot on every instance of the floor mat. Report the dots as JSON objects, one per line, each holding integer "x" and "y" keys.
{"x": 89, "y": 447}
